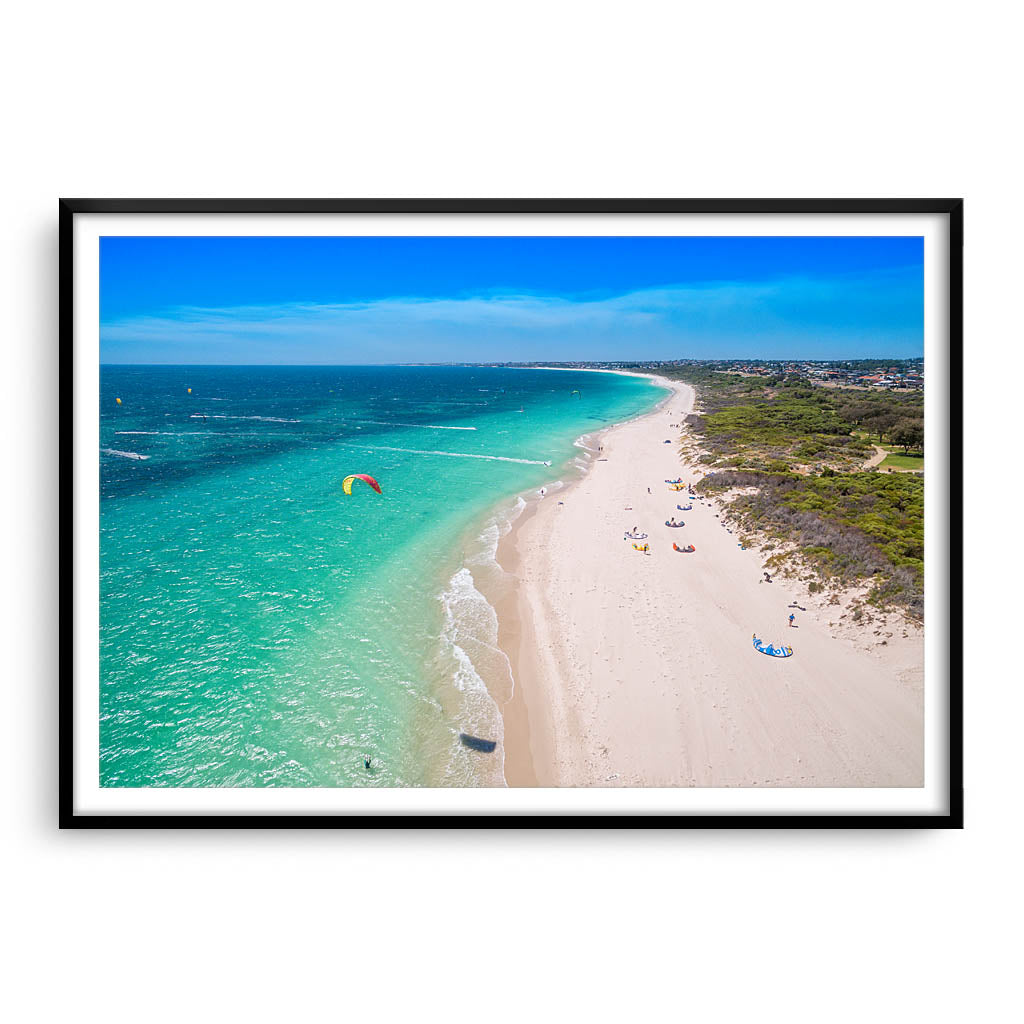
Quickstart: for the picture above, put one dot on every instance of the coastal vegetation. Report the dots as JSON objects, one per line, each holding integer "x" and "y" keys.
{"x": 781, "y": 423}
{"x": 848, "y": 527}
{"x": 791, "y": 458}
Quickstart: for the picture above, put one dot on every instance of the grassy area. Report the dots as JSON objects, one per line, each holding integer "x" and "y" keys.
{"x": 900, "y": 461}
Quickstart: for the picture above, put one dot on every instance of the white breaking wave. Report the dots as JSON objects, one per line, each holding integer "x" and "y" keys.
{"x": 124, "y": 455}
{"x": 450, "y": 455}
{"x": 422, "y": 426}
{"x": 496, "y": 527}
{"x": 196, "y": 433}
{"x": 468, "y": 618}
{"x": 471, "y": 631}
{"x": 470, "y": 638}
{"x": 219, "y": 416}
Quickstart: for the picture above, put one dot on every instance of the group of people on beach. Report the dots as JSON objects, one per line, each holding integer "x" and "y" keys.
{"x": 672, "y": 522}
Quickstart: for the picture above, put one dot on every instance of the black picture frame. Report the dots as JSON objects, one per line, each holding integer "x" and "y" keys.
{"x": 953, "y": 815}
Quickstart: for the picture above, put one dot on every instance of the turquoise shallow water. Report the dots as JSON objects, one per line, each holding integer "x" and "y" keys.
{"x": 259, "y": 628}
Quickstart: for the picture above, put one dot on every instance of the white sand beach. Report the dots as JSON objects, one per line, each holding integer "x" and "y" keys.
{"x": 637, "y": 669}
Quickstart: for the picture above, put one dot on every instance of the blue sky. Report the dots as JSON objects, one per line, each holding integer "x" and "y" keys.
{"x": 397, "y": 299}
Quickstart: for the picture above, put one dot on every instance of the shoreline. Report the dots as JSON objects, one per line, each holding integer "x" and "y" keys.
{"x": 515, "y": 634}
{"x": 634, "y": 669}
{"x": 493, "y": 660}
{"x": 530, "y": 752}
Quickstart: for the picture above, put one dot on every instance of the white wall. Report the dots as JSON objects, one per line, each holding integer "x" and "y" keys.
{"x": 531, "y": 99}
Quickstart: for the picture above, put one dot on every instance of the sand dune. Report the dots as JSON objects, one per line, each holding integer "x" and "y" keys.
{"x": 636, "y": 669}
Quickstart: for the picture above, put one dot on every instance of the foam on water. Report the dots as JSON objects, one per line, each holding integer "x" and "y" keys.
{"x": 419, "y": 426}
{"x": 191, "y": 433}
{"x": 471, "y": 637}
{"x": 470, "y": 634}
{"x": 123, "y": 455}
{"x": 221, "y": 416}
{"x": 451, "y": 455}
{"x": 497, "y": 526}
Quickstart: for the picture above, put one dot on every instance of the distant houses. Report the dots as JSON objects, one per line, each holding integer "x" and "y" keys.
{"x": 899, "y": 375}
{"x": 907, "y": 375}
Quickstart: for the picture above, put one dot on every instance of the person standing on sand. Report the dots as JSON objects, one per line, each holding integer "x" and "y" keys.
{"x": 792, "y": 616}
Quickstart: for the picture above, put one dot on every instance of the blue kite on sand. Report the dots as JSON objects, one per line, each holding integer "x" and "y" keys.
{"x": 772, "y": 650}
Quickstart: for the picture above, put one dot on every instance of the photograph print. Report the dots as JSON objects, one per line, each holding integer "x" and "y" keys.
{"x": 520, "y": 522}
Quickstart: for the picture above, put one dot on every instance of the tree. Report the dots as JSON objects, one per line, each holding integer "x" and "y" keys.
{"x": 909, "y": 434}
{"x": 882, "y": 423}
{"x": 856, "y": 411}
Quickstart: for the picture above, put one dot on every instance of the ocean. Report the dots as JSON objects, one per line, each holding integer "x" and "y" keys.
{"x": 258, "y": 627}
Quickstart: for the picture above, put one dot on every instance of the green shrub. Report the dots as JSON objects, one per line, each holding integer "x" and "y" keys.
{"x": 808, "y": 450}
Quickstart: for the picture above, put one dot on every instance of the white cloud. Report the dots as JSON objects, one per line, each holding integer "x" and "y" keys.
{"x": 680, "y": 320}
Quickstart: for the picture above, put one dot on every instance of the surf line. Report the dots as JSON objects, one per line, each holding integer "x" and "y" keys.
{"x": 124, "y": 455}
{"x": 421, "y": 426}
{"x": 451, "y": 455}
{"x": 221, "y": 416}
{"x": 200, "y": 433}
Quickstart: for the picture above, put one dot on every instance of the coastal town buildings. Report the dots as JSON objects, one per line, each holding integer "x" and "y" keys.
{"x": 884, "y": 374}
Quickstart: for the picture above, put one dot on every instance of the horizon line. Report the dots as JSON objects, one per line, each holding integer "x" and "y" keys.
{"x": 497, "y": 364}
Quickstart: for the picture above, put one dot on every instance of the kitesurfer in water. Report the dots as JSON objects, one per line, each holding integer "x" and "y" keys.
{"x": 367, "y": 763}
